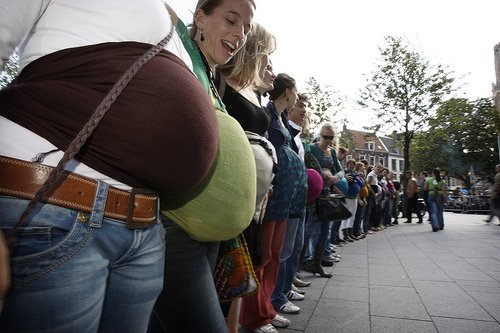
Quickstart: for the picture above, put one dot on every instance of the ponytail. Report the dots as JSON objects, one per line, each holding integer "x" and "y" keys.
{"x": 437, "y": 174}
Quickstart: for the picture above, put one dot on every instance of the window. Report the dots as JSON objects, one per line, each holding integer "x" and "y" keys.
{"x": 371, "y": 145}
{"x": 394, "y": 165}
{"x": 381, "y": 160}
{"x": 372, "y": 160}
{"x": 401, "y": 165}
{"x": 362, "y": 157}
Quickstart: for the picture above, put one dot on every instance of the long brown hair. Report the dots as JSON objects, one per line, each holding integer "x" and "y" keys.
{"x": 437, "y": 174}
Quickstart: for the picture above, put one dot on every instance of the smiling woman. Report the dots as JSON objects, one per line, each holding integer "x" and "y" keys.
{"x": 220, "y": 28}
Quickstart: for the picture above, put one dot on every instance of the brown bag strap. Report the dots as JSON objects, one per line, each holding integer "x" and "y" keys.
{"x": 86, "y": 131}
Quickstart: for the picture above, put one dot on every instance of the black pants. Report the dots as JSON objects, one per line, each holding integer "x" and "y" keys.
{"x": 413, "y": 206}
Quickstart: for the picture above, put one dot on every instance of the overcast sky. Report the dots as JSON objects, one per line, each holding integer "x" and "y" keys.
{"x": 336, "y": 42}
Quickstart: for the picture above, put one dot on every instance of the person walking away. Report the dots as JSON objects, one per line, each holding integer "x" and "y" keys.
{"x": 412, "y": 193}
{"x": 436, "y": 187}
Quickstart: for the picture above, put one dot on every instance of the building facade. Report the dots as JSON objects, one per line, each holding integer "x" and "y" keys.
{"x": 374, "y": 149}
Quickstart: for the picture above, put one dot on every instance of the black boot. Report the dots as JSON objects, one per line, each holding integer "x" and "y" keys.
{"x": 316, "y": 263}
{"x": 346, "y": 236}
{"x": 351, "y": 236}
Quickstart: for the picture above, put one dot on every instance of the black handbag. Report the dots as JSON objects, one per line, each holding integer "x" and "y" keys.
{"x": 331, "y": 208}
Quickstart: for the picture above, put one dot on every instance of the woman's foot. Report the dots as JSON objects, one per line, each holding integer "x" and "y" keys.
{"x": 280, "y": 321}
{"x": 265, "y": 329}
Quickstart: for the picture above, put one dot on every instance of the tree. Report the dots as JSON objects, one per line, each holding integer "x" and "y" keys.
{"x": 324, "y": 104}
{"x": 10, "y": 70}
{"x": 404, "y": 91}
{"x": 461, "y": 135}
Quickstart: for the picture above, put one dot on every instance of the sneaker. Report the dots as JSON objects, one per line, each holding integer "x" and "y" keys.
{"x": 326, "y": 263}
{"x": 299, "y": 283}
{"x": 280, "y": 321}
{"x": 294, "y": 296}
{"x": 289, "y": 307}
{"x": 265, "y": 329}
{"x": 332, "y": 258}
{"x": 297, "y": 290}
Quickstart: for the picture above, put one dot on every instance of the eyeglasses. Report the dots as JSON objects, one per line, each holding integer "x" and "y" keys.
{"x": 327, "y": 137}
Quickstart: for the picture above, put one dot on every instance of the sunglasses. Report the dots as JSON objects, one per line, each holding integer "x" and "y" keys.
{"x": 327, "y": 137}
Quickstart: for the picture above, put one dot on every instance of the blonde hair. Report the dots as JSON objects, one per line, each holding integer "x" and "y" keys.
{"x": 358, "y": 166}
{"x": 329, "y": 126}
{"x": 246, "y": 63}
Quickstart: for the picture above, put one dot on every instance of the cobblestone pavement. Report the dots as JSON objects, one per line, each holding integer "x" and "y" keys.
{"x": 407, "y": 278}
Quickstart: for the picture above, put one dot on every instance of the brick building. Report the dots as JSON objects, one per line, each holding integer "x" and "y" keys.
{"x": 375, "y": 149}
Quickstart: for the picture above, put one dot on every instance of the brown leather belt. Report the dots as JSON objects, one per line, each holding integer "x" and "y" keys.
{"x": 23, "y": 179}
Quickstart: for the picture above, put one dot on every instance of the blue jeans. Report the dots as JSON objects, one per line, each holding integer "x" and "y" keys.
{"x": 189, "y": 301}
{"x": 315, "y": 233}
{"x": 80, "y": 272}
{"x": 289, "y": 260}
{"x": 436, "y": 211}
{"x": 386, "y": 220}
{"x": 323, "y": 233}
{"x": 370, "y": 200}
{"x": 334, "y": 233}
{"x": 360, "y": 213}
{"x": 310, "y": 230}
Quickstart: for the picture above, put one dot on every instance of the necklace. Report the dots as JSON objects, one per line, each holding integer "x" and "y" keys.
{"x": 210, "y": 75}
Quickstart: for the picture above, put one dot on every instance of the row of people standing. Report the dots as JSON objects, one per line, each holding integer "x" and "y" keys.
{"x": 102, "y": 261}
{"x": 124, "y": 268}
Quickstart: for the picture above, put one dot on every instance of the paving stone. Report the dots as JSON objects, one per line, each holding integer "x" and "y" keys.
{"x": 386, "y": 324}
{"x": 346, "y": 293}
{"x": 399, "y": 302}
{"x": 388, "y": 275}
{"x": 455, "y": 325}
{"x": 447, "y": 299}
